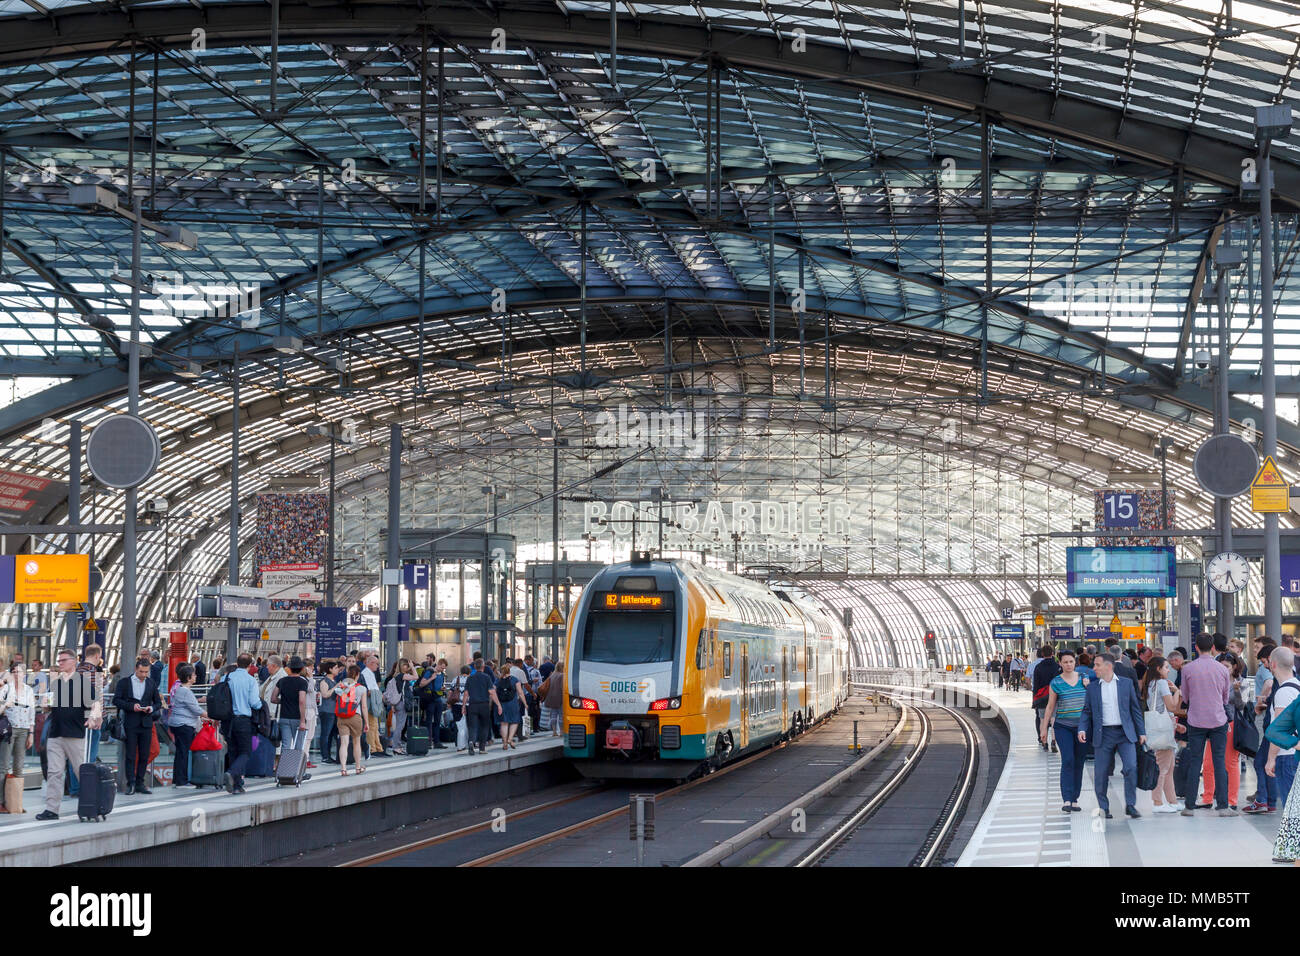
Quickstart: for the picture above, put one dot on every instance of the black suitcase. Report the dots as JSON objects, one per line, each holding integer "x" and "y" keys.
{"x": 417, "y": 741}
{"x": 98, "y": 789}
{"x": 1181, "y": 765}
{"x": 208, "y": 767}
{"x": 447, "y": 733}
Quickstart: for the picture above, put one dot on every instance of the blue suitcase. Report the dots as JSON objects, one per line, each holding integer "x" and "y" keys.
{"x": 262, "y": 761}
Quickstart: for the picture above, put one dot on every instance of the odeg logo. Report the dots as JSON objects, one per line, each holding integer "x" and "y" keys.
{"x": 75, "y": 910}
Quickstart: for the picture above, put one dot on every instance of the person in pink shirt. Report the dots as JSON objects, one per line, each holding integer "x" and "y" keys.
{"x": 1206, "y": 687}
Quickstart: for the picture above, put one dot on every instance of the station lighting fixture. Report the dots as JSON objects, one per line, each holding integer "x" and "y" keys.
{"x": 92, "y": 195}
{"x": 190, "y": 370}
{"x": 180, "y": 239}
{"x": 287, "y": 344}
{"x": 1272, "y": 122}
{"x": 1228, "y": 257}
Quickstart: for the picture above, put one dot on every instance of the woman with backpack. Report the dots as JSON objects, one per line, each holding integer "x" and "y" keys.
{"x": 552, "y": 696}
{"x": 349, "y": 706}
{"x": 508, "y": 696}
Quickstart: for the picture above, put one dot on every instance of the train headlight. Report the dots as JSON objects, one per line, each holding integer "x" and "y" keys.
{"x": 575, "y": 703}
{"x": 583, "y": 703}
{"x": 667, "y": 703}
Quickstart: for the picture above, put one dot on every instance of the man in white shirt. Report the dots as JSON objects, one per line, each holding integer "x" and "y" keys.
{"x": 370, "y": 677}
{"x": 1112, "y": 720}
{"x": 1282, "y": 763}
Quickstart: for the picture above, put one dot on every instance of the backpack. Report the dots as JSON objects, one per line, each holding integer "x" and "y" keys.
{"x": 345, "y": 703}
{"x": 393, "y": 692}
{"x": 505, "y": 690}
{"x": 454, "y": 695}
{"x": 221, "y": 702}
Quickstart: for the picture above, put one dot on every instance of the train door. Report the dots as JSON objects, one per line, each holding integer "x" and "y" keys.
{"x": 744, "y": 696}
{"x": 785, "y": 688}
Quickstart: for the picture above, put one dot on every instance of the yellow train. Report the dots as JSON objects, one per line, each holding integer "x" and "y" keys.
{"x": 672, "y": 668}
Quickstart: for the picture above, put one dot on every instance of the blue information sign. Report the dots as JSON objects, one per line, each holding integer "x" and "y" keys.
{"x": 1008, "y": 632}
{"x": 1063, "y": 633}
{"x": 1120, "y": 572}
{"x": 415, "y": 577}
{"x": 1196, "y": 619}
{"x": 6, "y": 579}
{"x": 1097, "y": 635}
{"x": 1291, "y": 575}
{"x": 1119, "y": 509}
{"x": 331, "y": 632}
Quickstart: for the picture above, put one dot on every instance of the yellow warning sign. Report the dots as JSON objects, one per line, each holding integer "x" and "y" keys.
{"x": 1269, "y": 492}
{"x": 90, "y": 625}
{"x": 1039, "y": 620}
{"x": 266, "y": 635}
{"x": 555, "y": 617}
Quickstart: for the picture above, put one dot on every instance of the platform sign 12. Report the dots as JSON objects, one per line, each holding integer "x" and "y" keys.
{"x": 1120, "y": 509}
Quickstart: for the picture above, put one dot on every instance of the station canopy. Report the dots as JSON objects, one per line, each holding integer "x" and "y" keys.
{"x": 948, "y": 266}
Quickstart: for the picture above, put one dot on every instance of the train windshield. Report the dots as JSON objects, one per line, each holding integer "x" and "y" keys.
{"x": 619, "y": 637}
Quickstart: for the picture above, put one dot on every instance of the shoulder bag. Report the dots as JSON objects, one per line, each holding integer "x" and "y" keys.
{"x": 1159, "y": 722}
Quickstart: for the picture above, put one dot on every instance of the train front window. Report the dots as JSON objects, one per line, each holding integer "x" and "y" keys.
{"x": 641, "y": 637}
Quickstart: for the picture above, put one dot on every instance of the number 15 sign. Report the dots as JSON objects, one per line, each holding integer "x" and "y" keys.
{"x": 1119, "y": 509}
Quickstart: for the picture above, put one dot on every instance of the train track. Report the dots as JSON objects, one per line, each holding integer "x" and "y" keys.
{"x": 461, "y": 833}
{"x": 842, "y": 839}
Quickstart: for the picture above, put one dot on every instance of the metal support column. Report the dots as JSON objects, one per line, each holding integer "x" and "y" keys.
{"x": 1226, "y": 622}
{"x": 394, "y": 542}
{"x": 555, "y": 533}
{"x": 74, "y": 514}
{"x": 1272, "y": 544}
{"x": 329, "y": 536}
{"x": 232, "y": 625}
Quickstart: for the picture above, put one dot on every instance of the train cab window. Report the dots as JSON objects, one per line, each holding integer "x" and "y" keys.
{"x": 726, "y": 658}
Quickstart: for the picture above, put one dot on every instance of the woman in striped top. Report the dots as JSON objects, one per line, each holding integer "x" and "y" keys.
{"x": 1065, "y": 700}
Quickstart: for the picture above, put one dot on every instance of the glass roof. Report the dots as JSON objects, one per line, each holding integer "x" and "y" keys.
{"x": 991, "y": 242}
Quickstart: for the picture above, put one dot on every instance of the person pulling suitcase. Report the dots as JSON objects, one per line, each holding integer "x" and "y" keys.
{"x": 72, "y": 704}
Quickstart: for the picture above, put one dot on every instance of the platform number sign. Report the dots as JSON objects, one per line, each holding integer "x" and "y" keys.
{"x": 1007, "y": 612}
{"x": 1119, "y": 509}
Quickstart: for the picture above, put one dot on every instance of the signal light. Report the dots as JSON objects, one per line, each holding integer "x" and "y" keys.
{"x": 667, "y": 703}
{"x": 583, "y": 703}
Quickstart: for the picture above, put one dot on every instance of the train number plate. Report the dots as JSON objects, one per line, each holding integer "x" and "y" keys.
{"x": 619, "y": 740}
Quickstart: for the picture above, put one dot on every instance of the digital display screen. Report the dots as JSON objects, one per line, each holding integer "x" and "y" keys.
{"x": 618, "y": 601}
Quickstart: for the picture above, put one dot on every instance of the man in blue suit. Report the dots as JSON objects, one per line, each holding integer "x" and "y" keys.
{"x": 1112, "y": 720}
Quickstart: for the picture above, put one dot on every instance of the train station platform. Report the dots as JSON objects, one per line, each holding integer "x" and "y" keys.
{"x": 1023, "y": 824}
{"x": 212, "y": 827}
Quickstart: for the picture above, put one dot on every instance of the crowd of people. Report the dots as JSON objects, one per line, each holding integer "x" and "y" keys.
{"x": 1187, "y": 711}
{"x": 341, "y": 712}
{"x": 291, "y": 530}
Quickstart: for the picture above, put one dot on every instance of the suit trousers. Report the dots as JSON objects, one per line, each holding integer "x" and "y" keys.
{"x": 136, "y": 749}
{"x": 1196, "y": 738}
{"x": 1113, "y": 740}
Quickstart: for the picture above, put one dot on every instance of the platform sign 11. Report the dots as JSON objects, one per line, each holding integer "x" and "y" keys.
{"x": 1120, "y": 509}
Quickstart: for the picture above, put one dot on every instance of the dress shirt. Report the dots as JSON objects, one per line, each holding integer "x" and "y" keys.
{"x": 1110, "y": 703}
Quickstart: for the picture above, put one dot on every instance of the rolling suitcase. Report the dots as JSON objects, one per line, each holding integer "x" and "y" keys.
{"x": 261, "y": 762}
{"x": 208, "y": 767}
{"x": 447, "y": 733}
{"x": 417, "y": 741}
{"x": 293, "y": 762}
{"x": 98, "y": 789}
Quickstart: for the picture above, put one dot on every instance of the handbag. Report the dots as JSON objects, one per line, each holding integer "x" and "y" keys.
{"x": 1245, "y": 735}
{"x": 393, "y": 693}
{"x": 13, "y": 793}
{"x": 206, "y": 739}
{"x": 1148, "y": 771}
{"x": 6, "y": 729}
{"x": 1160, "y": 726}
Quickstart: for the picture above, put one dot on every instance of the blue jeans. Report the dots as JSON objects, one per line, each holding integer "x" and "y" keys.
{"x": 1113, "y": 739}
{"x": 329, "y": 733}
{"x": 1072, "y": 754}
{"x": 1218, "y": 738}
{"x": 1285, "y": 769}
{"x": 289, "y": 734}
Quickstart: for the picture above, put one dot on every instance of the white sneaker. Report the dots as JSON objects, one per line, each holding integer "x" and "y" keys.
{"x": 1166, "y": 808}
